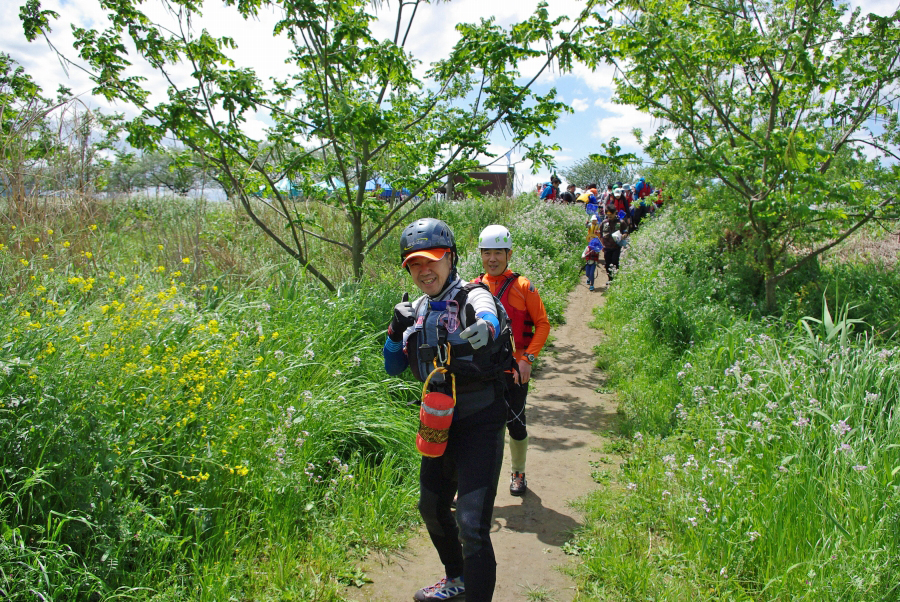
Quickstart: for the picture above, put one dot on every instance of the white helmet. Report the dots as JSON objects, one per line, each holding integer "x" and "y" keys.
{"x": 495, "y": 237}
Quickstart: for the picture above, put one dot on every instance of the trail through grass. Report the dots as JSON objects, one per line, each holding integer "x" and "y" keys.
{"x": 183, "y": 415}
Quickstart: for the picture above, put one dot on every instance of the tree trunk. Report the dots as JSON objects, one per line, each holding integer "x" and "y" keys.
{"x": 357, "y": 250}
{"x": 769, "y": 261}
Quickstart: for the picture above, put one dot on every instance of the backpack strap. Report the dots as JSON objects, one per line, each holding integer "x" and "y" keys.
{"x": 509, "y": 281}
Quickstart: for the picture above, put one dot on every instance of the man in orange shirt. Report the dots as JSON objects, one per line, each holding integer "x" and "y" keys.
{"x": 530, "y": 327}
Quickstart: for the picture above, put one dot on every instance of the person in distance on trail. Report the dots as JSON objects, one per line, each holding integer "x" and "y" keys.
{"x": 642, "y": 189}
{"x": 551, "y": 189}
{"x": 643, "y": 203}
{"x": 605, "y": 196}
{"x": 588, "y": 197}
{"x": 612, "y": 245}
{"x": 591, "y": 257}
{"x": 569, "y": 195}
{"x": 530, "y": 328}
{"x": 593, "y": 228}
{"x": 622, "y": 203}
{"x": 455, "y": 337}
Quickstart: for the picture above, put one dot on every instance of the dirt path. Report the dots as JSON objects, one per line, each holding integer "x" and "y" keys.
{"x": 564, "y": 416}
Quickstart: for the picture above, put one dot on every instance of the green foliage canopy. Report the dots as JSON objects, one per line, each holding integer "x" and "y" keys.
{"x": 354, "y": 106}
{"x": 782, "y": 105}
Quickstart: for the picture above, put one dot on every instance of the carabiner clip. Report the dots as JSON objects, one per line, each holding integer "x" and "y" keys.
{"x": 443, "y": 353}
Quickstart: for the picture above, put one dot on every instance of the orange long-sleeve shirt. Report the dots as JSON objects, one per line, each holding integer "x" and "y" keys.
{"x": 524, "y": 296}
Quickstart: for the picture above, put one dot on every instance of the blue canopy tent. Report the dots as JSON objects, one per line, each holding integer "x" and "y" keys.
{"x": 386, "y": 191}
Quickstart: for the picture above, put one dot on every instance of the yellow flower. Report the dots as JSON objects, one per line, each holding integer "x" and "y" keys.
{"x": 159, "y": 247}
{"x": 186, "y": 260}
{"x": 49, "y": 232}
{"x": 24, "y": 262}
{"x": 178, "y": 491}
{"x": 37, "y": 239}
{"x": 45, "y": 256}
{"x": 67, "y": 244}
{"x": 274, "y": 335}
{"x": 93, "y": 227}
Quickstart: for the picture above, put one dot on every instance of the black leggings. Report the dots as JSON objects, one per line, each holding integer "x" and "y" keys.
{"x": 515, "y": 410}
{"x": 611, "y": 257}
{"x": 470, "y": 464}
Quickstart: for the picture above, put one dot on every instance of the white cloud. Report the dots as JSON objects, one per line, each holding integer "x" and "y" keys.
{"x": 620, "y": 124}
{"x": 599, "y": 80}
{"x": 580, "y": 104}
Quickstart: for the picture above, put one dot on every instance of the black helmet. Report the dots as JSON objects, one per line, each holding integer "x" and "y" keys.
{"x": 426, "y": 233}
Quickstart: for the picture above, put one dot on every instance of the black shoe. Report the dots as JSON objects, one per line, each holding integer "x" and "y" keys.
{"x": 517, "y": 484}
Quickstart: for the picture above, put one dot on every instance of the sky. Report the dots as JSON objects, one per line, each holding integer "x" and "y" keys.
{"x": 594, "y": 120}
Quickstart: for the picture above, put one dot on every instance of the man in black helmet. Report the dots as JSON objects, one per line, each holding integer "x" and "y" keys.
{"x": 456, "y": 334}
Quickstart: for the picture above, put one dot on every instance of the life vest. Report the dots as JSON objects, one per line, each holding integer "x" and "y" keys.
{"x": 475, "y": 369}
{"x": 520, "y": 321}
{"x": 622, "y": 203}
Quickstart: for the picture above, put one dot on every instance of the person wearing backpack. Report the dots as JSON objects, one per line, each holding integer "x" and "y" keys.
{"x": 588, "y": 197}
{"x": 612, "y": 243}
{"x": 456, "y": 339}
{"x": 591, "y": 257}
{"x": 551, "y": 189}
{"x": 569, "y": 195}
{"x": 642, "y": 189}
{"x": 530, "y": 328}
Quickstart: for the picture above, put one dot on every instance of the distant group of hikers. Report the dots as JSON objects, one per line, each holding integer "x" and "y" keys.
{"x": 472, "y": 345}
{"x": 611, "y": 216}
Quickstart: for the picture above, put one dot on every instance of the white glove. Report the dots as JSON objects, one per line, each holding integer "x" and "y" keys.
{"x": 478, "y": 334}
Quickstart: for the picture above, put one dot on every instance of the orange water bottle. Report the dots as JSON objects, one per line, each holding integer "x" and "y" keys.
{"x": 435, "y": 417}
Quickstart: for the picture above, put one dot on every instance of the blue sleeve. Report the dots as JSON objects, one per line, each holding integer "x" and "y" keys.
{"x": 546, "y": 192}
{"x": 490, "y": 319}
{"x": 395, "y": 361}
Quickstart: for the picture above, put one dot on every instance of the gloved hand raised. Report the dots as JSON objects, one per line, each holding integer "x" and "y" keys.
{"x": 404, "y": 317}
{"x": 479, "y": 333}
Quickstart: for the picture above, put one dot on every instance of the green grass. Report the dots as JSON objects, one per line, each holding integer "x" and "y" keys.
{"x": 764, "y": 463}
{"x": 185, "y": 415}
